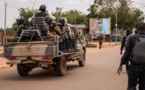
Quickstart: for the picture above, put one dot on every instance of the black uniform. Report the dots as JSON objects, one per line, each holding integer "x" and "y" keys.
{"x": 123, "y": 44}
{"x": 136, "y": 71}
{"x": 41, "y": 14}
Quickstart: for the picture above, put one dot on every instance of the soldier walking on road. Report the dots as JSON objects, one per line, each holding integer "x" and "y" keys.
{"x": 135, "y": 51}
{"x": 123, "y": 44}
{"x": 100, "y": 38}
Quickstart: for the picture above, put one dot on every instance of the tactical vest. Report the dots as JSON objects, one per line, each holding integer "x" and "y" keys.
{"x": 51, "y": 28}
{"x": 138, "y": 51}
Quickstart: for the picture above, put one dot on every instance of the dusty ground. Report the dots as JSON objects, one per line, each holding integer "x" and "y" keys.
{"x": 100, "y": 73}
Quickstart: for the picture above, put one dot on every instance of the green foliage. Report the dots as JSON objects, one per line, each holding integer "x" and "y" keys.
{"x": 127, "y": 16}
{"x": 122, "y": 32}
{"x": 15, "y": 26}
{"x": 26, "y": 13}
{"x": 1, "y": 29}
{"x": 73, "y": 16}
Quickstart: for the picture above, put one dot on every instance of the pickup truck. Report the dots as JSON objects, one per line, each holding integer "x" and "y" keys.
{"x": 30, "y": 54}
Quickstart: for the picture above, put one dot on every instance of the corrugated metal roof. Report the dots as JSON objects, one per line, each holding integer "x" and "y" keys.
{"x": 83, "y": 26}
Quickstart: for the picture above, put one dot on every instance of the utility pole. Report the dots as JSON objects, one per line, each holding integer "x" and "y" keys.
{"x": 75, "y": 18}
{"x": 5, "y": 25}
{"x": 116, "y": 23}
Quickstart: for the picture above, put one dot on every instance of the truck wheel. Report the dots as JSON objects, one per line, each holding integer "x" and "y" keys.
{"x": 61, "y": 66}
{"x": 83, "y": 60}
{"x": 22, "y": 70}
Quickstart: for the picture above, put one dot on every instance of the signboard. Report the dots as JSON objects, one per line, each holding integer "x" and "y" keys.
{"x": 100, "y": 26}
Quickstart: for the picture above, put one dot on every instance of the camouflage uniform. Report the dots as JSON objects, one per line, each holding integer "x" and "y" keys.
{"x": 55, "y": 29}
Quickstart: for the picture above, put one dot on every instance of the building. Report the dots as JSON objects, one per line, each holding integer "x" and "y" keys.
{"x": 81, "y": 29}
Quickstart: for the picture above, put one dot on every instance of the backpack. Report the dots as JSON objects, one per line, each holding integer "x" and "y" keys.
{"x": 138, "y": 50}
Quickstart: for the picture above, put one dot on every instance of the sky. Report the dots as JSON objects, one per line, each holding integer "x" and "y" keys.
{"x": 82, "y": 5}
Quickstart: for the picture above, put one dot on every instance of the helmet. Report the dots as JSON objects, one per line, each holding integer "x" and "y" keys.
{"x": 20, "y": 19}
{"x": 48, "y": 18}
{"x": 128, "y": 31}
{"x": 62, "y": 21}
{"x": 42, "y": 7}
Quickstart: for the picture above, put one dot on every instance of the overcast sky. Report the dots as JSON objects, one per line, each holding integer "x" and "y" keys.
{"x": 13, "y": 5}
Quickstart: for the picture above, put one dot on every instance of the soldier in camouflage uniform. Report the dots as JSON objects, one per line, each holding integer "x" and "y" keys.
{"x": 68, "y": 42}
{"x": 54, "y": 28}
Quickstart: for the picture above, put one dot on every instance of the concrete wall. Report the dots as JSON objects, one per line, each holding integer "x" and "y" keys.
{"x": 8, "y": 33}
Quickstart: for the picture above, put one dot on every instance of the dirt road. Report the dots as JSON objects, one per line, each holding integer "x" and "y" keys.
{"x": 100, "y": 73}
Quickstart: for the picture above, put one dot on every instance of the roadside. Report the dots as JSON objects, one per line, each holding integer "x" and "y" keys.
{"x": 106, "y": 45}
{"x": 3, "y": 60}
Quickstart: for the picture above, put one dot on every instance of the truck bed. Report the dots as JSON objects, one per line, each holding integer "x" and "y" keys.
{"x": 27, "y": 49}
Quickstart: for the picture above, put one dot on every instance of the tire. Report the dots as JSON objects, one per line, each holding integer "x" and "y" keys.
{"x": 61, "y": 66}
{"x": 83, "y": 59}
{"x": 22, "y": 70}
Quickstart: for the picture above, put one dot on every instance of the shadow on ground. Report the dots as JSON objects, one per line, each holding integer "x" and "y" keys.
{"x": 39, "y": 74}
{"x": 2, "y": 55}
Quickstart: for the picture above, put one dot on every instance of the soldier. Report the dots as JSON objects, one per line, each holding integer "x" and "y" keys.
{"x": 135, "y": 51}
{"x": 45, "y": 29}
{"x": 42, "y": 12}
{"x": 100, "y": 38}
{"x": 68, "y": 43}
{"x": 123, "y": 44}
{"x": 20, "y": 23}
{"x": 53, "y": 27}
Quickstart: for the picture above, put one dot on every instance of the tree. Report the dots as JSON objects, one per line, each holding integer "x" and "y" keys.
{"x": 1, "y": 29}
{"x": 73, "y": 16}
{"x": 127, "y": 16}
{"x": 26, "y": 13}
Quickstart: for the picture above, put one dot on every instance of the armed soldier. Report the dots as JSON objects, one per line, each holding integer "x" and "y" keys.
{"x": 135, "y": 51}
{"x": 20, "y": 23}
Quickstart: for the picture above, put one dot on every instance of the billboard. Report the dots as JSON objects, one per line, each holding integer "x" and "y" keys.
{"x": 102, "y": 26}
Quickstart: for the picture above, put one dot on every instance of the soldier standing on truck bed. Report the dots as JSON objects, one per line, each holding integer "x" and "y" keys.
{"x": 20, "y": 23}
{"x": 45, "y": 29}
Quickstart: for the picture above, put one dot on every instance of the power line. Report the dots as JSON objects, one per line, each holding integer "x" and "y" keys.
{"x": 84, "y": 2}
